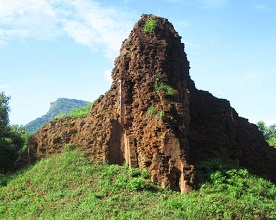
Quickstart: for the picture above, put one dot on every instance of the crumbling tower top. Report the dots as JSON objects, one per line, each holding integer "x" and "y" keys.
{"x": 155, "y": 40}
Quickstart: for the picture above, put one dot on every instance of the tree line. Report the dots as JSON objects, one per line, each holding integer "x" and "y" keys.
{"x": 13, "y": 139}
{"x": 269, "y": 133}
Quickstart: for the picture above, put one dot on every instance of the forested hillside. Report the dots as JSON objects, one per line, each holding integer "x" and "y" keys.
{"x": 60, "y": 106}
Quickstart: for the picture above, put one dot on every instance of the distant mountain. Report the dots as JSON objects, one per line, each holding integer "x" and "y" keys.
{"x": 60, "y": 106}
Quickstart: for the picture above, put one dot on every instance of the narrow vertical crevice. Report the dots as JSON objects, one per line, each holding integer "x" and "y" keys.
{"x": 115, "y": 155}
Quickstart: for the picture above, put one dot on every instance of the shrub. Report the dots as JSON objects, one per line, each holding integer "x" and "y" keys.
{"x": 139, "y": 180}
{"x": 136, "y": 184}
{"x": 269, "y": 133}
{"x": 161, "y": 114}
{"x": 163, "y": 86}
{"x": 152, "y": 110}
{"x": 150, "y": 25}
{"x": 272, "y": 141}
{"x": 12, "y": 138}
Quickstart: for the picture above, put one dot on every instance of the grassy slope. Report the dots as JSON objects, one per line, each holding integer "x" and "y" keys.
{"x": 68, "y": 187}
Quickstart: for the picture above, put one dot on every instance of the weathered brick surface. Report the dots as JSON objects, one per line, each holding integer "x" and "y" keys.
{"x": 146, "y": 127}
{"x": 216, "y": 130}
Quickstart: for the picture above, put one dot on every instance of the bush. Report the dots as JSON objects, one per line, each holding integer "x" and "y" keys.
{"x": 136, "y": 184}
{"x": 272, "y": 141}
{"x": 269, "y": 133}
{"x": 12, "y": 146}
{"x": 139, "y": 180}
{"x": 163, "y": 86}
{"x": 150, "y": 25}
{"x": 12, "y": 138}
{"x": 8, "y": 153}
{"x": 151, "y": 110}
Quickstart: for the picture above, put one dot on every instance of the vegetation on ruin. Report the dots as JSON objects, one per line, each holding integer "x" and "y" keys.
{"x": 161, "y": 114}
{"x": 269, "y": 133}
{"x": 151, "y": 110}
{"x": 165, "y": 87}
{"x": 150, "y": 25}
{"x": 67, "y": 186}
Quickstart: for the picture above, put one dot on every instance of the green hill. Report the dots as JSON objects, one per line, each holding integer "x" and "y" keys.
{"x": 67, "y": 186}
{"x": 60, "y": 106}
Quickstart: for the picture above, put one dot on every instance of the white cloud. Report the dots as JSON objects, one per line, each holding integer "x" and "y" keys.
{"x": 79, "y": 32}
{"x": 27, "y": 18}
{"x": 85, "y": 21}
{"x": 95, "y": 25}
{"x": 6, "y": 34}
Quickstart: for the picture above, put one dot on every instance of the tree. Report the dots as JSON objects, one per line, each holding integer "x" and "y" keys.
{"x": 269, "y": 133}
{"x": 11, "y": 138}
{"x": 4, "y": 114}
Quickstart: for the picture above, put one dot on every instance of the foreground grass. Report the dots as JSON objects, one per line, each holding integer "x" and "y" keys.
{"x": 68, "y": 187}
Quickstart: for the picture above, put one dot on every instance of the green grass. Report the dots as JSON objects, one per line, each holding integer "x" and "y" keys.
{"x": 68, "y": 187}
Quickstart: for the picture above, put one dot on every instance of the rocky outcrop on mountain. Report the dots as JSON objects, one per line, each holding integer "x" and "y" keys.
{"x": 153, "y": 117}
{"x": 60, "y": 106}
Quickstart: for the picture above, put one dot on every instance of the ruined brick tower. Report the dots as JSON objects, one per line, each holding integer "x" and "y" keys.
{"x": 152, "y": 76}
{"x": 153, "y": 117}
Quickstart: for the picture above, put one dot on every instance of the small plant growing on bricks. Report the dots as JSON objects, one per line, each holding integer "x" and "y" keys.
{"x": 150, "y": 25}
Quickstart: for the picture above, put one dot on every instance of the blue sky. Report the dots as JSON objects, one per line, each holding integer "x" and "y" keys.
{"x": 53, "y": 49}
